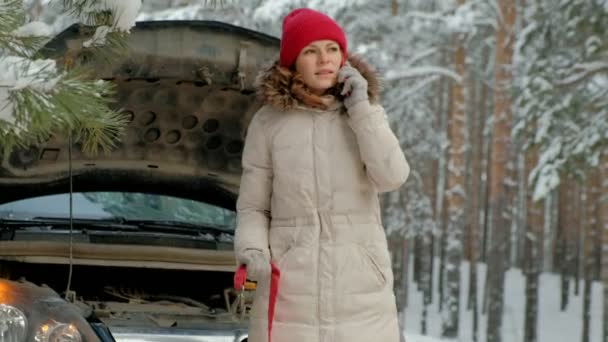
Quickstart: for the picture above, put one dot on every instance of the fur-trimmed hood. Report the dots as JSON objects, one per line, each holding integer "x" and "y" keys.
{"x": 273, "y": 85}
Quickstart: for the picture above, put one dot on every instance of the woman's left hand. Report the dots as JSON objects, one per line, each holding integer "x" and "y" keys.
{"x": 355, "y": 85}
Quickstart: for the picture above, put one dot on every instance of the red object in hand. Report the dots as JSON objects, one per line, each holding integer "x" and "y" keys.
{"x": 275, "y": 275}
{"x": 240, "y": 277}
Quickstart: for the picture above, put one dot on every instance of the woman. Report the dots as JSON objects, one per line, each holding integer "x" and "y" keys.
{"x": 315, "y": 158}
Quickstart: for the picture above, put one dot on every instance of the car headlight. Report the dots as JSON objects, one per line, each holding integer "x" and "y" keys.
{"x": 54, "y": 331}
{"x": 13, "y": 324}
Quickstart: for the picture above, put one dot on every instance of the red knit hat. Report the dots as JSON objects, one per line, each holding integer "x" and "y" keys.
{"x": 303, "y": 26}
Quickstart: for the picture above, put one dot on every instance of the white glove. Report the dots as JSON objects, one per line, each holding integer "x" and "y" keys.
{"x": 355, "y": 85}
{"x": 258, "y": 264}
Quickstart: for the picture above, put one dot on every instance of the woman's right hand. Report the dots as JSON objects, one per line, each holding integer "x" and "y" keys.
{"x": 355, "y": 85}
{"x": 257, "y": 262}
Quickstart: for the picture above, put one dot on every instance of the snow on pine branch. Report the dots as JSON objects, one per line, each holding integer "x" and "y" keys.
{"x": 271, "y": 10}
{"x": 124, "y": 15}
{"x": 19, "y": 73}
{"x": 123, "y": 12}
{"x": 36, "y": 98}
{"x": 583, "y": 71}
{"x": 33, "y": 29}
{"x": 421, "y": 71}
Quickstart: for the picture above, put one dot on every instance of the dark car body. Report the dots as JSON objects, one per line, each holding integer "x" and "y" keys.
{"x": 136, "y": 244}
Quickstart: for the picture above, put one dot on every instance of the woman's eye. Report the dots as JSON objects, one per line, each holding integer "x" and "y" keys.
{"x": 334, "y": 49}
{"x": 306, "y": 52}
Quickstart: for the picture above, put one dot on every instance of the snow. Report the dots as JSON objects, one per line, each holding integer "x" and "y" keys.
{"x": 34, "y": 29}
{"x": 553, "y": 323}
{"x": 18, "y": 73}
{"x": 585, "y": 69}
{"x": 546, "y": 173}
{"x": 592, "y": 45}
{"x": 422, "y": 338}
{"x": 6, "y": 106}
{"x": 125, "y": 12}
{"x": 273, "y": 10}
{"x": 463, "y": 20}
{"x": 99, "y": 38}
{"x": 421, "y": 71}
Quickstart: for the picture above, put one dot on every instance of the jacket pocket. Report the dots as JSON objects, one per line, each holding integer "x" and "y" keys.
{"x": 283, "y": 240}
{"x": 358, "y": 270}
{"x": 374, "y": 265}
{"x": 294, "y": 260}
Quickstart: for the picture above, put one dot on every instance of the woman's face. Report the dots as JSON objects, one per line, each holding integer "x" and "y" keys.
{"x": 318, "y": 63}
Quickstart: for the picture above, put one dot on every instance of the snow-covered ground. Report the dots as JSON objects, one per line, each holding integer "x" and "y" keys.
{"x": 422, "y": 338}
{"x": 553, "y": 325}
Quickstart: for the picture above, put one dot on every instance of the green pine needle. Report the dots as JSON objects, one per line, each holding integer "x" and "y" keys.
{"x": 84, "y": 9}
{"x": 116, "y": 44}
{"x": 75, "y": 106}
{"x": 12, "y": 16}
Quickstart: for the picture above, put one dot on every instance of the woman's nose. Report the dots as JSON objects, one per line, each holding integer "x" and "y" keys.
{"x": 323, "y": 57}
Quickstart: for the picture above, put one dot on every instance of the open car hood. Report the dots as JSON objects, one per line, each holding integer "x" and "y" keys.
{"x": 187, "y": 87}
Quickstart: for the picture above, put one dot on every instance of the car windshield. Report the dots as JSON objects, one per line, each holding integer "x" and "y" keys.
{"x": 120, "y": 205}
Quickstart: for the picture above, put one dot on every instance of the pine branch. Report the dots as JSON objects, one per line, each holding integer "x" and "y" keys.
{"x": 85, "y": 110}
{"x": 38, "y": 100}
{"x": 88, "y": 12}
{"x": 68, "y": 103}
{"x": 104, "y": 13}
{"x": 12, "y": 17}
{"x": 113, "y": 44}
{"x": 109, "y": 21}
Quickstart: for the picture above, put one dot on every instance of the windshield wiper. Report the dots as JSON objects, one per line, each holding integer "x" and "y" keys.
{"x": 179, "y": 227}
{"x": 119, "y": 224}
{"x": 58, "y": 222}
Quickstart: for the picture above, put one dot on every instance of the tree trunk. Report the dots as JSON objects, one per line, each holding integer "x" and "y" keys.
{"x": 566, "y": 214}
{"x": 486, "y": 139}
{"x": 583, "y": 245}
{"x": 590, "y": 206}
{"x": 455, "y": 196}
{"x": 519, "y": 226}
{"x": 486, "y": 148}
{"x": 405, "y": 271}
{"x": 550, "y": 215}
{"x": 441, "y": 213}
{"x": 417, "y": 261}
{"x": 603, "y": 224}
{"x": 577, "y": 230}
{"x": 532, "y": 262}
{"x": 404, "y": 286}
{"x": 427, "y": 280}
{"x": 500, "y": 188}
{"x": 476, "y": 134}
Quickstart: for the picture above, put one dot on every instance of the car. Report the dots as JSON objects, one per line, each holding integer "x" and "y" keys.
{"x": 136, "y": 244}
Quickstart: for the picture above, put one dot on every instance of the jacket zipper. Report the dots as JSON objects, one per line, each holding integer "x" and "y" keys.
{"x": 318, "y": 216}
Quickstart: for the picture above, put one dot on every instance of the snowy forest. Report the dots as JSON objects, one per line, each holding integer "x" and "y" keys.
{"x": 501, "y": 107}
